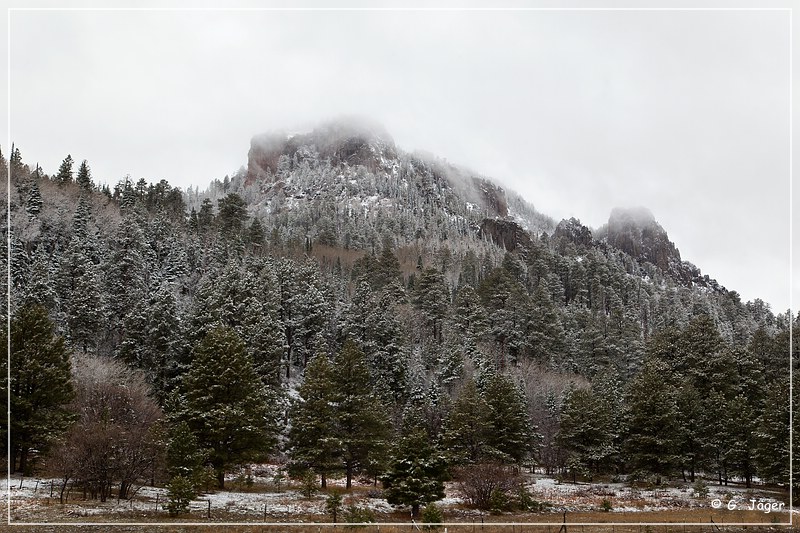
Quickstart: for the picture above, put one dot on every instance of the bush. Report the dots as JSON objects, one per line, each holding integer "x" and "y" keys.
{"x": 499, "y": 501}
{"x": 432, "y": 514}
{"x": 180, "y": 492}
{"x": 204, "y": 479}
{"x": 308, "y": 483}
{"x": 605, "y": 505}
{"x": 489, "y": 485}
{"x": 334, "y": 504}
{"x": 700, "y": 488}
{"x": 525, "y": 502}
{"x": 357, "y": 515}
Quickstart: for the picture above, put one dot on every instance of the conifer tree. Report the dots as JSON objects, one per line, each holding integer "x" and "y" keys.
{"x": 362, "y": 426}
{"x": 33, "y": 204}
{"x": 41, "y": 385}
{"x": 314, "y": 438}
{"x": 586, "y": 433}
{"x": 773, "y": 434}
{"x": 512, "y": 433}
{"x": 416, "y": 472}
{"x": 468, "y": 428}
{"x": 653, "y": 441}
{"x": 225, "y": 403}
{"x": 84, "y": 178}
{"x": 64, "y": 174}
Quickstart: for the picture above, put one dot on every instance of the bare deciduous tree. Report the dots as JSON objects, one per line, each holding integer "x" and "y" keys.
{"x": 113, "y": 442}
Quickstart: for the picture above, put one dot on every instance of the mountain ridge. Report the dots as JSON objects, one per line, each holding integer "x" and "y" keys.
{"x": 359, "y": 143}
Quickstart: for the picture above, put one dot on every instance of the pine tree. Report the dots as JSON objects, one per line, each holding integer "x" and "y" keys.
{"x": 255, "y": 234}
{"x": 512, "y": 433}
{"x": 467, "y": 429}
{"x": 84, "y": 178}
{"x": 206, "y": 218}
{"x": 314, "y": 439}
{"x": 33, "y": 204}
{"x": 184, "y": 456}
{"x": 416, "y": 472}
{"x": 126, "y": 270}
{"x": 361, "y": 424}
{"x": 232, "y": 215}
{"x": 433, "y": 299}
{"x": 653, "y": 441}
{"x": 41, "y": 385}
{"x": 773, "y": 435}
{"x": 586, "y": 433}
{"x": 225, "y": 404}
{"x": 64, "y": 174}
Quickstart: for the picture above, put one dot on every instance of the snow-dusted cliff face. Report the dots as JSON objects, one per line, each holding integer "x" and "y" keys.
{"x": 346, "y": 180}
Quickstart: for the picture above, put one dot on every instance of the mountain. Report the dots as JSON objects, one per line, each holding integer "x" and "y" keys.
{"x": 445, "y": 296}
{"x": 355, "y": 166}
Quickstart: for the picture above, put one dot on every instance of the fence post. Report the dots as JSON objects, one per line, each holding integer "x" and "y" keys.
{"x": 265, "y": 512}
{"x": 209, "y": 509}
{"x": 157, "y": 496}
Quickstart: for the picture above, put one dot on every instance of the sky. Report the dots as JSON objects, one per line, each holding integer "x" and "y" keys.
{"x": 684, "y": 112}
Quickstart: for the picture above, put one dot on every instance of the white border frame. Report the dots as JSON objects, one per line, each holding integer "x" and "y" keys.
{"x": 10, "y": 10}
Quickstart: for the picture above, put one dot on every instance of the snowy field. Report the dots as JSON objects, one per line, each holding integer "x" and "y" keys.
{"x": 31, "y": 501}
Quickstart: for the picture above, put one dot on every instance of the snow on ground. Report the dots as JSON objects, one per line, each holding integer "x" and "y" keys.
{"x": 30, "y": 498}
{"x": 624, "y": 498}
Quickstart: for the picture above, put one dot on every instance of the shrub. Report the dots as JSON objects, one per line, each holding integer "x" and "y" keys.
{"x": 334, "y": 504}
{"x": 308, "y": 483}
{"x": 180, "y": 493}
{"x": 605, "y": 505}
{"x": 499, "y": 501}
{"x": 479, "y": 483}
{"x": 432, "y": 514}
{"x": 357, "y": 515}
{"x": 700, "y": 488}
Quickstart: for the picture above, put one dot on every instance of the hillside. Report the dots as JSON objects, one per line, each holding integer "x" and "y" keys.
{"x": 426, "y": 310}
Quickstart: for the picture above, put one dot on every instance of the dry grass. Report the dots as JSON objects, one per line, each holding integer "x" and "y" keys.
{"x": 549, "y": 522}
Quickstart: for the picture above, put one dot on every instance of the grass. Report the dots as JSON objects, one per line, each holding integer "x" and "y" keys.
{"x": 525, "y": 523}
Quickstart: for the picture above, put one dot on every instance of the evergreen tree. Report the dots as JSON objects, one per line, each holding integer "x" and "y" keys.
{"x": 433, "y": 299}
{"x": 468, "y": 428}
{"x": 232, "y": 215}
{"x": 255, "y": 234}
{"x": 586, "y": 433}
{"x": 773, "y": 435}
{"x": 361, "y": 424}
{"x": 65, "y": 171}
{"x": 184, "y": 456}
{"x": 225, "y": 403}
{"x": 416, "y": 472}
{"x": 512, "y": 433}
{"x": 313, "y": 436}
{"x": 41, "y": 386}
{"x": 84, "y": 178}
{"x": 33, "y": 204}
{"x": 653, "y": 441}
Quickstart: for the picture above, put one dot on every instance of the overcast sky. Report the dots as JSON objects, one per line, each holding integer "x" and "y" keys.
{"x": 683, "y": 112}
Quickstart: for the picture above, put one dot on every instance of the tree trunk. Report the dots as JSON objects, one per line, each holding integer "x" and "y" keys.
{"x": 324, "y": 481}
{"x": 349, "y": 483}
{"x": 63, "y": 488}
{"x": 414, "y": 510}
{"x": 221, "y": 478}
{"x": 23, "y": 461}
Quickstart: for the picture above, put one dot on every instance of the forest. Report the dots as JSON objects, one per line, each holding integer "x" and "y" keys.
{"x": 358, "y": 322}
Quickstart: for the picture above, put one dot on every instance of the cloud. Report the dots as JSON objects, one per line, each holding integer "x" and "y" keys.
{"x": 684, "y": 112}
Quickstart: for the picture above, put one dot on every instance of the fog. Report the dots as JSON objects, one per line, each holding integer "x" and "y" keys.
{"x": 683, "y": 112}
